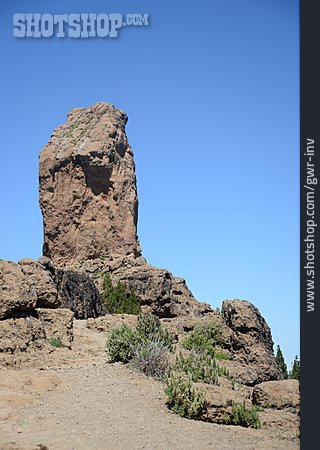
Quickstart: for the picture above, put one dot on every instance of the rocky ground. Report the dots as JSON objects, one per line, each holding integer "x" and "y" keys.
{"x": 73, "y": 399}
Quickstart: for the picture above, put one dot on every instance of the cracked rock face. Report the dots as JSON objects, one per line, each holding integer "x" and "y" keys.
{"x": 25, "y": 286}
{"x": 252, "y": 343}
{"x": 87, "y": 185}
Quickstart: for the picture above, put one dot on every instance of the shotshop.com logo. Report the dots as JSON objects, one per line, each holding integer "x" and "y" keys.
{"x": 85, "y": 25}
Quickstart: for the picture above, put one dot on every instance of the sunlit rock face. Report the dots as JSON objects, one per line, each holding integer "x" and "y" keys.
{"x": 87, "y": 184}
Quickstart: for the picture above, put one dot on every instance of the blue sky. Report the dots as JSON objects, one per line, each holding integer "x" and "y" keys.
{"x": 211, "y": 89}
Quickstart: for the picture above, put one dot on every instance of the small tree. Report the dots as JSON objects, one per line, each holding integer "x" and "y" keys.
{"x": 117, "y": 299}
{"x": 295, "y": 371}
{"x": 282, "y": 363}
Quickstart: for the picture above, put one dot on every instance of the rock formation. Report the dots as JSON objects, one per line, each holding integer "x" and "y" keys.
{"x": 88, "y": 194}
{"x": 76, "y": 291}
{"x": 251, "y": 343}
{"x": 24, "y": 287}
{"x": 88, "y": 198}
{"x": 30, "y": 312}
{"x": 283, "y": 394}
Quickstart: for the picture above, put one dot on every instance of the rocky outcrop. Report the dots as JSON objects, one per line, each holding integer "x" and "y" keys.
{"x": 283, "y": 394}
{"x": 158, "y": 290}
{"x": 25, "y": 286}
{"x": 88, "y": 198}
{"x": 76, "y": 291}
{"x": 87, "y": 185}
{"x": 30, "y": 284}
{"x": 22, "y": 337}
{"x": 30, "y": 311}
{"x": 251, "y": 343}
{"x": 41, "y": 281}
{"x": 15, "y": 291}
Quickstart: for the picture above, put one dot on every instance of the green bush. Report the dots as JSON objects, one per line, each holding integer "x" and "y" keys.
{"x": 151, "y": 358}
{"x": 146, "y": 343}
{"x": 220, "y": 354}
{"x": 204, "y": 338}
{"x": 121, "y": 343}
{"x": 201, "y": 367}
{"x": 182, "y": 397}
{"x": 149, "y": 328}
{"x": 223, "y": 372}
{"x": 117, "y": 299}
{"x": 55, "y": 342}
{"x": 245, "y": 417}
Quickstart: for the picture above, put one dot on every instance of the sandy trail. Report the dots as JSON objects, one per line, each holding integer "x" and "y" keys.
{"x": 78, "y": 401}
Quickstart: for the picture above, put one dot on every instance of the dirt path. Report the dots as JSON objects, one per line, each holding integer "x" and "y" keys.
{"x": 83, "y": 403}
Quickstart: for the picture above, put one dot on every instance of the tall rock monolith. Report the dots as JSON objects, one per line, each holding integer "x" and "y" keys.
{"x": 87, "y": 184}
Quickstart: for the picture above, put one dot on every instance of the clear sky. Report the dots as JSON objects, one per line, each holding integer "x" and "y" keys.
{"x": 211, "y": 89}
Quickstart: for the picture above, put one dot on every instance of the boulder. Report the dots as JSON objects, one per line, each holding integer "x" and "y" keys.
{"x": 252, "y": 343}
{"x": 41, "y": 281}
{"x": 25, "y": 286}
{"x": 284, "y": 394}
{"x": 160, "y": 293}
{"x": 243, "y": 373}
{"x": 16, "y": 291}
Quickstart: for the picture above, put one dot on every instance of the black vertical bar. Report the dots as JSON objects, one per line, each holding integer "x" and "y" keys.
{"x": 309, "y": 221}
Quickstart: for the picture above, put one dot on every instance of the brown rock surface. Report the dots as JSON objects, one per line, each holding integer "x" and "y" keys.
{"x": 22, "y": 338}
{"x": 88, "y": 194}
{"x": 108, "y": 322}
{"x": 25, "y": 286}
{"x": 76, "y": 291}
{"x": 283, "y": 394}
{"x": 16, "y": 293}
{"x": 285, "y": 423}
{"x": 42, "y": 282}
{"x": 252, "y": 343}
{"x": 158, "y": 290}
{"x": 220, "y": 400}
{"x": 19, "y": 337}
{"x": 58, "y": 324}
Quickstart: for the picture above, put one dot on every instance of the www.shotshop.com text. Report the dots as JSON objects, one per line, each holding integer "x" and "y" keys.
{"x": 309, "y": 240}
